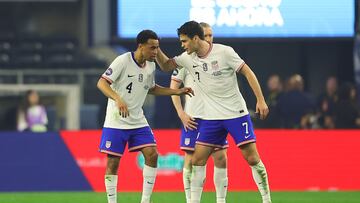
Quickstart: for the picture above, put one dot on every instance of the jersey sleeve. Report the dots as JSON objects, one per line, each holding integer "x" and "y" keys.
{"x": 114, "y": 70}
{"x": 178, "y": 75}
{"x": 180, "y": 60}
{"x": 234, "y": 60}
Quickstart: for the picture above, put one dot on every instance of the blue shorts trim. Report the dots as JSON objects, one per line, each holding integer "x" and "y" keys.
{"x": 214, "y": 132}
{"x": 113, "y": 141}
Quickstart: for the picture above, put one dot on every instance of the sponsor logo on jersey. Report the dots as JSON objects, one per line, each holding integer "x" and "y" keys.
{"x": 205, "y": 67}
{"x": 109, "y": 71}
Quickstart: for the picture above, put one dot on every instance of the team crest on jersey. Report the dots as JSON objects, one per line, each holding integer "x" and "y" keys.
{"x": 141, "y": 77}
{"x": 215, "y": 67}
{"x": 109, "y": 71}
{"x": 187, "y": 141}
{"x": 108, "y": 144}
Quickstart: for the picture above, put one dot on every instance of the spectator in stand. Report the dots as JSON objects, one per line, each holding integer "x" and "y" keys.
{"x": 275, "y": 89}
{"x": 326, "y": 103}
{"x": 346, "y": 111}
{"x": 31, "y": 115}
{"x": 295, "y": 106}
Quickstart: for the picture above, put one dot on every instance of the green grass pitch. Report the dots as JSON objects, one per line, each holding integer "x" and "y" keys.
{"x": 178, "y": 197}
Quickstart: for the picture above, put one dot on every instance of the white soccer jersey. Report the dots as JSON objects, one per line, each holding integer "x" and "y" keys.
{"x": 215, "y": 76}
{"x": 132, "y": 83}
{"x": 193, "y": 105}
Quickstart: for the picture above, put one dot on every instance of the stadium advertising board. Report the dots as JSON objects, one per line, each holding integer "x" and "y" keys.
{"x": 239, "y": 18}
{"x": 295, "y": 160}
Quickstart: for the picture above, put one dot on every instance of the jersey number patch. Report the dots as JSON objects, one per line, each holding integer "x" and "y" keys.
{"x": 129, "y": 87}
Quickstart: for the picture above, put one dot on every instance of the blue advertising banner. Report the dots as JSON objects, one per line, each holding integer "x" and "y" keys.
{"x": 38, "y": 162}
{"x": 240, "y": 18}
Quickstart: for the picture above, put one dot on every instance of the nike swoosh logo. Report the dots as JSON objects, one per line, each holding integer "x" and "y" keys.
{"x": 110, "y": 195}
{"x": 131, "y": 76}
{"x": 246, "y": 137}
{"x": 149, "y": 182}
{"x": 195, "y": 66}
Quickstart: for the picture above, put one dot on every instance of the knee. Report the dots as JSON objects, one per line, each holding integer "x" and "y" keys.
{"x": 253, "y": 160}
{"x": 220, "y": 161}
{"x": 112, "y": 165}
{"x": 198, "y": 161}
{"x": 151, "y": 157}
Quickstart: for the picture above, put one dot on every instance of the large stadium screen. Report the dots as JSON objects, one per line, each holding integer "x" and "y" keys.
{"x": 240, "y": 18}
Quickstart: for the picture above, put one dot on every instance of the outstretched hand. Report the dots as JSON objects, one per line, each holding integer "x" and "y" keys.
{"x": 187, "y": 91}
{"x": 262, "y": 109}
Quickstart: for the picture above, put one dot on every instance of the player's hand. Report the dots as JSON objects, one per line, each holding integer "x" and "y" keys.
{"x": 123, "y": 109}
{"x": 188, "y": 122}
{"x": 187, "y": 91}
{"x": 262, "y": 109}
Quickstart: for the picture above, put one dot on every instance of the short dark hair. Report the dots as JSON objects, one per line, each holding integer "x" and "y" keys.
{"x": 190, "y": 29}
{"x": 145, "y": 35}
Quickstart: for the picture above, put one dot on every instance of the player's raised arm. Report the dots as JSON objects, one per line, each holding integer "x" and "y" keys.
{"x": 261, "y": 106}
{"x": 164, "y": 62}
{"x": 165, "y": 91}
{"x": 105, "y": 88}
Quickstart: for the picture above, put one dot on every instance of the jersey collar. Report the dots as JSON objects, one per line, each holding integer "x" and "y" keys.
{"x": 133, "y": 57}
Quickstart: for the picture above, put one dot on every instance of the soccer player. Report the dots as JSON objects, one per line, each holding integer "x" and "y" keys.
{"x": 126, "y": 83}
{"x": 189, "y": 131}
{"x": 214, "y": 67}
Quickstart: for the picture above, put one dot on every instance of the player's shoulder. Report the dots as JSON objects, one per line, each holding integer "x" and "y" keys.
{"x": 123, "y": 58}
{"x": 221, "y": 46}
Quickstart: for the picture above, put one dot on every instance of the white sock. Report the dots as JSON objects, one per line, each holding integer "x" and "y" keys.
{"x": 149, "y": 175}
{"x": 111, "y": 185}
{"x": 261, "y": 180}
{"x": 221, "y": 184}
{"x": 198, "y": 175}
{"x": 186, "y": 181}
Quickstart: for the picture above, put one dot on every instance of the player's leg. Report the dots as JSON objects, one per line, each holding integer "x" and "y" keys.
{"x": 142, "y": 139}
{"x": 112, "y": 143}
{"x": 220, "y": 174}
{"x": 111, "y": 177}
{"x": 211, "y": 135}
{"x": 258, "y": 169}
{"x": 149, "y": 172}
{"x": 187, "y": 175}
{"x": 241, "y": 129}
{"x": 187, "y": 144}
{"x": 199, "y": 159}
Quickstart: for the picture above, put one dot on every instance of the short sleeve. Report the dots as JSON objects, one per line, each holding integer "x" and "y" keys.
{"x": 180, "y": 60}
{"x": 234, "y": 60}
{"x": 178, "y": 75}
{"x": 114, "y": 70}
